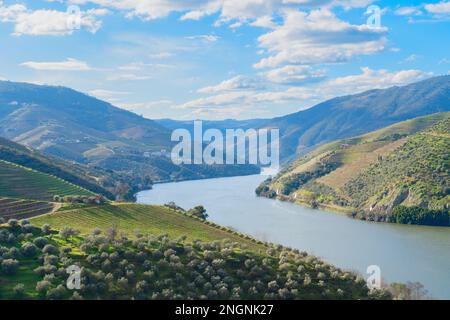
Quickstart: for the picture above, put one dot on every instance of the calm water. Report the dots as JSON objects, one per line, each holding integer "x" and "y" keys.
{"x": 404, "y": 253}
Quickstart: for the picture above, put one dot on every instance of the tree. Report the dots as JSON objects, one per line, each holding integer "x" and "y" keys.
{"x": 68, "y": 232}
{"x": 46, "y": 229}
{"x": 28, "y": 249}
{"x": 40, "y": 242}
{"x": 9, "y": 266}
{"x": 50, "y": 249}
{"x": 19, "y": 291}
{"x": 199, "y": 212}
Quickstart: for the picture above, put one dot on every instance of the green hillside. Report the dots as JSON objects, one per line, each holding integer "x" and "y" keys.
{"x": 23, "y": 183}
{"x": 398, "y": 174}
{"x": 94, "y": 179}
{"x": 132, "y": 218}
{"x": 34, "y": 263}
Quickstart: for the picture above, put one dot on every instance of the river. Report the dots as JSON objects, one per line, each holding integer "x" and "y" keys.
{"x": 403, "y": 253}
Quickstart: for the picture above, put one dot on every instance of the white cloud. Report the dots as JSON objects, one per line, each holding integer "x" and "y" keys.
{"x": 234, "y": 84}
{"x": 10, "y": 13}
{"x": 294, "y": 75}
{"x": 411, "y": 58}
{"x": 67, "y": 65}
{"x": 264, "y": 22}
{"x": 429, "y": 11}
{"x": 49, "y": 22}
{"x": 408, "y": 11}
{"x": 375, "y": 79}
{"x": 204, "y": 37}
{"x": 318, "y": 37}
{"x": 236, "y": 12}
{"x": 439, "y": 8}
{"x": 307, "y": 95}
{"x": 161, "y": 55}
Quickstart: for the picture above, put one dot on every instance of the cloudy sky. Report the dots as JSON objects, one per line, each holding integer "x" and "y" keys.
{"x": 189, "y": 59}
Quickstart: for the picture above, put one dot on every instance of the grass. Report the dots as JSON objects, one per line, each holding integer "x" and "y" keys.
{"x": 129, "y": 218}
{"x": 20, "y": 182}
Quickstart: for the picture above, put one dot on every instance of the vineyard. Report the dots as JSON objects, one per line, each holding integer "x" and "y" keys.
{"x": 20, "y": 182}
{"x": 23, "y": 209}
{"x": 133, "y": 218}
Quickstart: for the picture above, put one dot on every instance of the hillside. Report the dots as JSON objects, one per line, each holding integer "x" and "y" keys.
{"x": 397, "y": 174}
{"x": 347, "y": 116}
{"x": 65, "y": 123}
{"x": 24, "y": 183}
{"x": 11, "y": 208}
{"x": 26, "y": 193}
{"x": 133, "y": 218}
{"x": 34, "y": 262}
{"x": 92, "y": 178}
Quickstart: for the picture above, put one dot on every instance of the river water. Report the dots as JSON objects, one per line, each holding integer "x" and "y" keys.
{"x": 403, "y": 253}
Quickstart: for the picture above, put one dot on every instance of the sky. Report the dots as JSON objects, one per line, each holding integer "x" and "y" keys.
{"x": 222, "y": 59}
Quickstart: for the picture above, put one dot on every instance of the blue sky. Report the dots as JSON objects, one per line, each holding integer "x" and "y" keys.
{"x": 190, "y": 59}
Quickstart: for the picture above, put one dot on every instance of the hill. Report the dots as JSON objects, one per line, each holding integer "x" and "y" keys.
{"x": 397, "y": 174}
{"x": 134, "y": 218}
{"x": 23, "y": 209}
{"x": 26, "y": 193}
{"x": 94, "y": 179}
{"x": 346, "y": 116}
{"x": 68, "y": 124}
{"x": 34, "y": 262}
{"x": 23, "y": 183}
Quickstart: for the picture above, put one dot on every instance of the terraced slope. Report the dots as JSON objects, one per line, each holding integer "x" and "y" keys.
{"x": 129, "y": 218}
{"x": 23, "y": 209}
{"x": 402, "y": 166}
{"x": 23, "y": 183}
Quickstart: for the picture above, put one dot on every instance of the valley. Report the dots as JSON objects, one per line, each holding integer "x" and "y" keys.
{"x": 69, "y": 183}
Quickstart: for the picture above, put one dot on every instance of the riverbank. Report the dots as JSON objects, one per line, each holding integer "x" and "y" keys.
{"x": 403, "y": 253}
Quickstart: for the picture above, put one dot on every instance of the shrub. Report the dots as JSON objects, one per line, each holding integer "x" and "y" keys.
{"x": 19, "y": 290}
{"x": 29, "y": 249}
{"x": 50, "y": 249}
{"x": 420, "y": 216}
{"x": 9, "y": 266}
{"x": 46, "y": 229}
{"x": 68, "y": 232}
{"x": 56, "y": 293}
{"x": 13, "y": 223}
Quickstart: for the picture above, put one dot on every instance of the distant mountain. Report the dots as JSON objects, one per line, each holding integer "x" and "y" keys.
{"x": 397, "y": 174}
{"x": 65, "y": 123}
{"x": 361, "y": 113}
{"x": 347, "y": 116}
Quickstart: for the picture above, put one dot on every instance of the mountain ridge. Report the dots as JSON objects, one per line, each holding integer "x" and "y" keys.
{"x": 346, "y": 116}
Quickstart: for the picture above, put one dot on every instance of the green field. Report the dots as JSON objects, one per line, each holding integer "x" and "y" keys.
{"x": 23, "y": 183}
{"x": 130, "y": 218}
